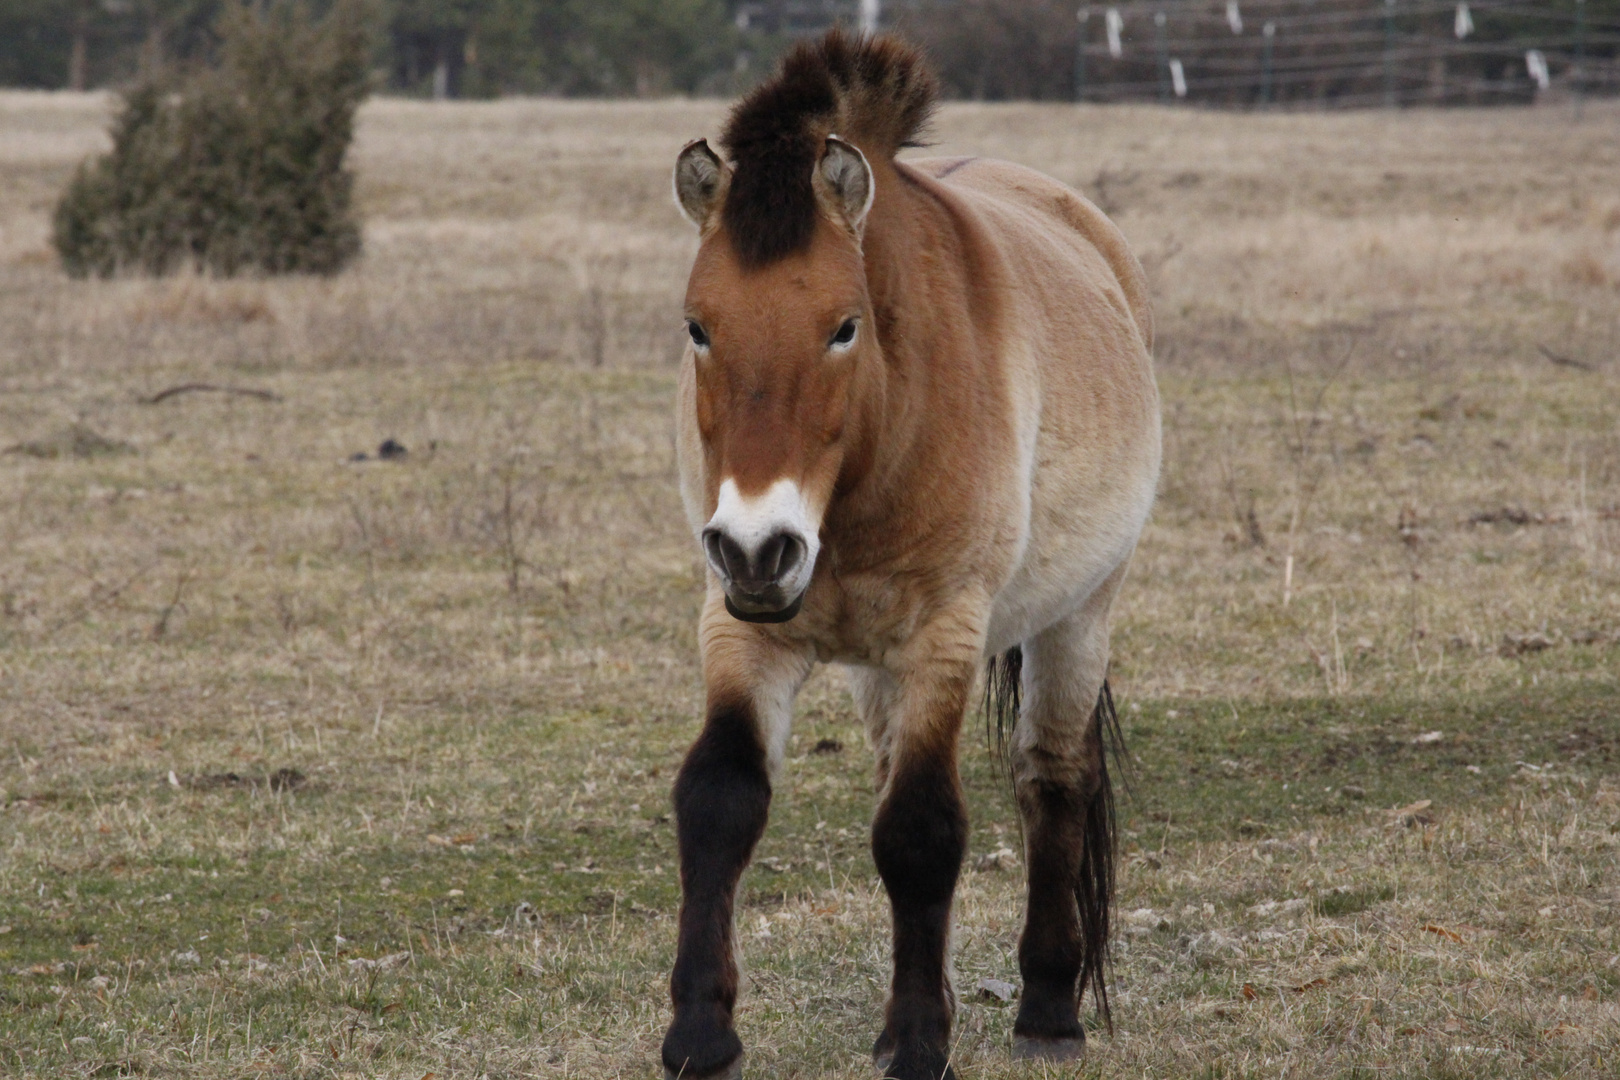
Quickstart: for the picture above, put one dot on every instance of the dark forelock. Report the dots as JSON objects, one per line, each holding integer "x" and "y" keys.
{"x": 876, "y": 92}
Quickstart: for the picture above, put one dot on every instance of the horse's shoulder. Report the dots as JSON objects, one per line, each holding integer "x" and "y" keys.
{"x": 992, "y": 180}
{"x": 1033, "y": 210}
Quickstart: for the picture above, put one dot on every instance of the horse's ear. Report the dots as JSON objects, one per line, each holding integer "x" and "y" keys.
{"x": 701, "y": 179}
{"x": 843, "y": 179}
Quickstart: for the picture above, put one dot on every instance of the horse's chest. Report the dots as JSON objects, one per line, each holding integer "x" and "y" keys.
{"x": 862, "y": 617}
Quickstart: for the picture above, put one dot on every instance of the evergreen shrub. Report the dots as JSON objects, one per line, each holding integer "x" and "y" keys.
{"x": 234, "y": 167}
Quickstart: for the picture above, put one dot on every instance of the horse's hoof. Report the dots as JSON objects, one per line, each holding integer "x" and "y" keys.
{"x": 913, "y": 1065}
{"x": 730, "y": 1072}
{"x": 1043, "y": 1048}
{"x": 883, "y": 1053}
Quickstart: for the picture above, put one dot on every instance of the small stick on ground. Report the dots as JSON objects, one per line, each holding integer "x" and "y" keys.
{"x": 1565, "y": 361}
{"x": 210, "y": 388}
{"x": 161, "y": 627}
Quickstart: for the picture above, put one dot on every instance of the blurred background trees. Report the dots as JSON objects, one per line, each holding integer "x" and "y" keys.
{"x": 1326, "y": 52}
{"x": 443, "y": 48}
{"x": 233, "y": 166}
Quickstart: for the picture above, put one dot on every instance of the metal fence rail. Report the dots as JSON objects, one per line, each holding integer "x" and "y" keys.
{"x": 1343, "y": 52}
{"x": 1259, "y": 53}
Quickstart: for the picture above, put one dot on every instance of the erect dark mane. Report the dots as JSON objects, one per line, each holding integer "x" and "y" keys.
{"x": 876, "y": 92}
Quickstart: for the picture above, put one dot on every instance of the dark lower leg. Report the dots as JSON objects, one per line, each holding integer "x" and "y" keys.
{"x": 918, "y": 839}
{"x": 1049, "y": 950}
{"x": 722, "y": 796}
{"x": 1063, "y": 949}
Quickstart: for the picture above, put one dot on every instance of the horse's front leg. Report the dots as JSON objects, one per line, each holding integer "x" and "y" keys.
{"x": 919, "y": 837}
{"x": 722, "y": 797}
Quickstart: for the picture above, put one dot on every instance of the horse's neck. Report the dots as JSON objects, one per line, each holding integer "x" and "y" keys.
{"x": 917, "y": 292}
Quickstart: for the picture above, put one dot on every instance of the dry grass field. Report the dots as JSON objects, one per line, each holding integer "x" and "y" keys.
{"x": 313, "y": 766}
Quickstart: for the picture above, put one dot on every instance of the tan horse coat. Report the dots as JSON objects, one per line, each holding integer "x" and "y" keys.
{"x": 1020, "y": 439}
{"x": 916, "y": 430}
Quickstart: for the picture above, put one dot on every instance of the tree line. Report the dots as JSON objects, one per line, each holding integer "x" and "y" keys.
{"x": 1248, "y": 52}
{"x": 445, "y": 48}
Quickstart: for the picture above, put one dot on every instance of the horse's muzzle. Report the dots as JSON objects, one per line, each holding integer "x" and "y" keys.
{"x": 764, "y": 582}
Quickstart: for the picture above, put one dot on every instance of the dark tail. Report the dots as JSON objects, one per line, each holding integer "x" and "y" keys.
{"x": 1094, "y": 885}
{"x": 1003, "y": 694}
{"x": 1094, "y": 882}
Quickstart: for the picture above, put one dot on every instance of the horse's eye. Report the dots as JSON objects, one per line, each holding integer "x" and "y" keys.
{"x": 700, "y": 336}
{"x": 846, "y": 333}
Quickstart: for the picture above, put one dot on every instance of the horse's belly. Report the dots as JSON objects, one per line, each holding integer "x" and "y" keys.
{"x": 1073, "y": 548}
{"x": 1054, "y": 519}
{"x": 1091, "y": 474}
{"x": 1086, "y": 411}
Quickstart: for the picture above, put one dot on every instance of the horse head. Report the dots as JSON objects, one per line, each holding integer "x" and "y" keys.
{"x": 780, "y": 328}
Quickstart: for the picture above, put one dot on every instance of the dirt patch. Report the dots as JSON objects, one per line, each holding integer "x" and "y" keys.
{"x": 73, "y": 441}
{"x": 283, "y": 779}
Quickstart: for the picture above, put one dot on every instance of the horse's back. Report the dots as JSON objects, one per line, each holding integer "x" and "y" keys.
{"x": 1076, "y": 340}
{"x": 1050, "y": 222}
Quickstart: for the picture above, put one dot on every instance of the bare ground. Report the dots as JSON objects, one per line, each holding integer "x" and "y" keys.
{"x": 290, "y": 738}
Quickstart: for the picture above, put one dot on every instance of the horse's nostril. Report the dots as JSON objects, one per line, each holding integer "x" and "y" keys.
{"x": 725, "y": 554}
{"x": 736, "y": 558}
{"x": 791, "y": 555}
{"x": 769, "y": 558}
{"x": 777, "y": 557}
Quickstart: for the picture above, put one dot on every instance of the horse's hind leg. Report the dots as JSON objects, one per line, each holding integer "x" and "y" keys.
{"x": 1060, "y": 775}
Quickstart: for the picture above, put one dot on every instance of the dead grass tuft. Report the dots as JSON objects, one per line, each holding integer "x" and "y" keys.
{"x": 189, "y": 298}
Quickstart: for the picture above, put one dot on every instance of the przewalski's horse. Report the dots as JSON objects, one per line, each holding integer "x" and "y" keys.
{"x": 918, "y": 428}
